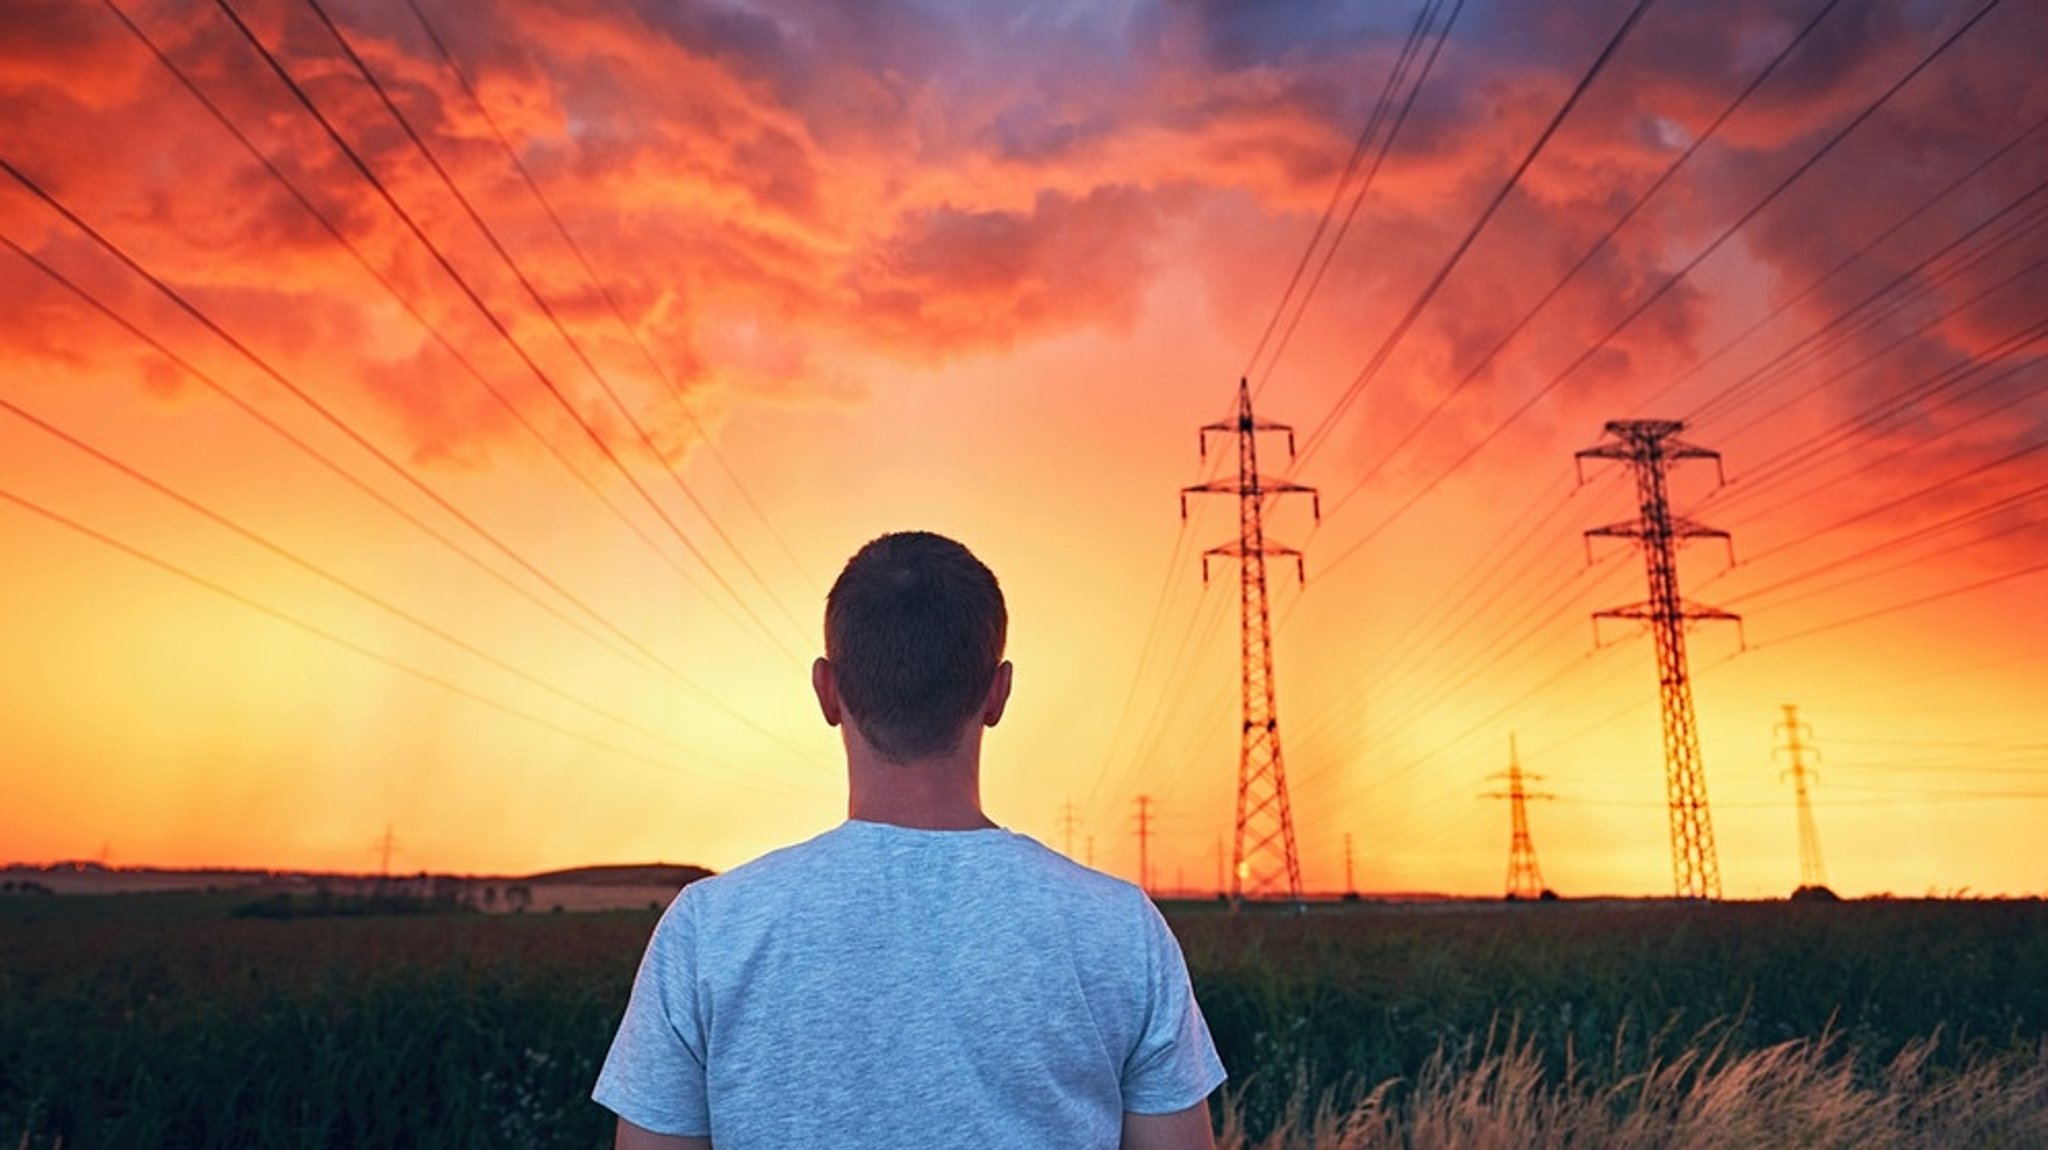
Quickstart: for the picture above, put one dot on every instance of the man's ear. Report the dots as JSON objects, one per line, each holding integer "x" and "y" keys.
{"x": 827, "y": 689}
{"x": 998, "y": 695}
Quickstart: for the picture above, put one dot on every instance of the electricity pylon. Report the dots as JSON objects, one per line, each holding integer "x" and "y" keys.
{"x": 1812, "y": 876}
{"x": 1069, "y": 819}
{"x": 1525, "y": 877}
{"x": 1145, "y": 843}
{"x": 386, "y": 843}
{"x": 1264, "y": 861}
{"x": 1650, "y": 446}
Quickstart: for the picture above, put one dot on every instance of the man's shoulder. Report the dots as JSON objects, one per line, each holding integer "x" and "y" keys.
{"x": 1056, "y": 868}
{"x": 843, "y": 852}
{"x": 777, "y": 868}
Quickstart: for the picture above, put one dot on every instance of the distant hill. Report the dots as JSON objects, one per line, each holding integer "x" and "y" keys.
{"x": 641, "y": 874}
{"x": 577, "y": 888}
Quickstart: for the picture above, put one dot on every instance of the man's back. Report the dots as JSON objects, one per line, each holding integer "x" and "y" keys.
{"x": 885, "y": 986}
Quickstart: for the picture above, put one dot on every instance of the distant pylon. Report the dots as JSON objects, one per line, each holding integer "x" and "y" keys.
{"x": 386, "y": 843}
{"x": 1811, "y": 873}
{"x": 1145, "y": 842}
{"x": 1525, "y": 876}
{"x": 1069, "y": 819}
{"x": 1650, "y": 446}
{"x": 1264, "y": 861}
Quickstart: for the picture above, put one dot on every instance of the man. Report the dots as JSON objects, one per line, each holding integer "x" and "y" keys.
{"x": 917, "y": 976}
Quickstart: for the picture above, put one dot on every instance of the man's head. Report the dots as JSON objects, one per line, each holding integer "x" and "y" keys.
{"x": 914, "y": 631}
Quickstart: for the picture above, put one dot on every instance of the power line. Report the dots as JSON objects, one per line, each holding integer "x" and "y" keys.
{"x": 1423, "y": 19}
{"x": 1525, "y": 518}
{"x": 604, "y": 290}
{"x": 1955, "y": 522}
{"x": 1904, "y": 605}
{"x": 335, "y": 638}
{"x": 323, "y": 574}
{"x": 575, "y": 346}
{"x": 1195, "y": 643}
{"x": 354, "y": 436}
{"x": 1671, "y": 281}
{"x": 1585, "y": 260}
{"x": 1840, "y": 329}
{"x": 1791, "y": 303}
{"x": 1402, "y": 660}
{"x": 355, "y": 251}
{"x": 1563, "y": 599}
{"x": 1846, "y": 434}
{"x": 1912, "y": 496}
{"x": 1322, "y": 430}
{"x": 540, "y": 374}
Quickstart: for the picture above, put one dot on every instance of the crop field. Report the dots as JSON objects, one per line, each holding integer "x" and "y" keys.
{"x": 167, "y": 1020}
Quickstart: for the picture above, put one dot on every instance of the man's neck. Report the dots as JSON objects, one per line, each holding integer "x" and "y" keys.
{"x": 941, "y": 793}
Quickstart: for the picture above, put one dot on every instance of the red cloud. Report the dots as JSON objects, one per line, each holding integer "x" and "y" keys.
{"x": 926, "y": 185}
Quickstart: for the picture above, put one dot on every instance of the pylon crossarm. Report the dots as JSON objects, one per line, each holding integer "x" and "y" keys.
{"x": 1626, "y": 529}
{"x": 1271, "y": 486}
{"x": 1676, "y": 449}
{"x": 1236, "y": 549}
{"x": 1643, "y": 428}
{"x": 1683, "y": 528}
{"x": 1237, "y": 424}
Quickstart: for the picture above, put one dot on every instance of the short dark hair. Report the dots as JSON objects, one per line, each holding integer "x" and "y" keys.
{"x": 914, "y": 629}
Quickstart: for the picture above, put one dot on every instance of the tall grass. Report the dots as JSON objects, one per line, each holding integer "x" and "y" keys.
{"x": 415, "y": 1031}
{"x": 1322, "y": 1002}
{"x": 1795, "y": 1094}
{"x": 164, "y": 1021}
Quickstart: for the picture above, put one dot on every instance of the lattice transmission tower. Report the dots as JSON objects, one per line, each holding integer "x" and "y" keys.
{"x": 1264, "y": 862}
{"x": 1650, "y": 446}
{"x": 1525, "y": 875}
{"x": 386, "y": 844}
{"x": 1143, "y": 823}
{"x": 1812, "y": 875}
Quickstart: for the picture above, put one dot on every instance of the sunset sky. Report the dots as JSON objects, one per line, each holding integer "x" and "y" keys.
{"x": 449, "y": 417}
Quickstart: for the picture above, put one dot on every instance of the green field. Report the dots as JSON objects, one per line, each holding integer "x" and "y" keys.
{"x": 164, "y": 1020}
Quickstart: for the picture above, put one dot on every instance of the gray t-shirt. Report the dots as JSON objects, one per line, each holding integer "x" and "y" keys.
{"x": 883, "y": 986}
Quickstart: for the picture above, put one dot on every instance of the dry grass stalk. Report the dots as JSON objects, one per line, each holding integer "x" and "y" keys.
{"x": 1796, "y": 1094}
